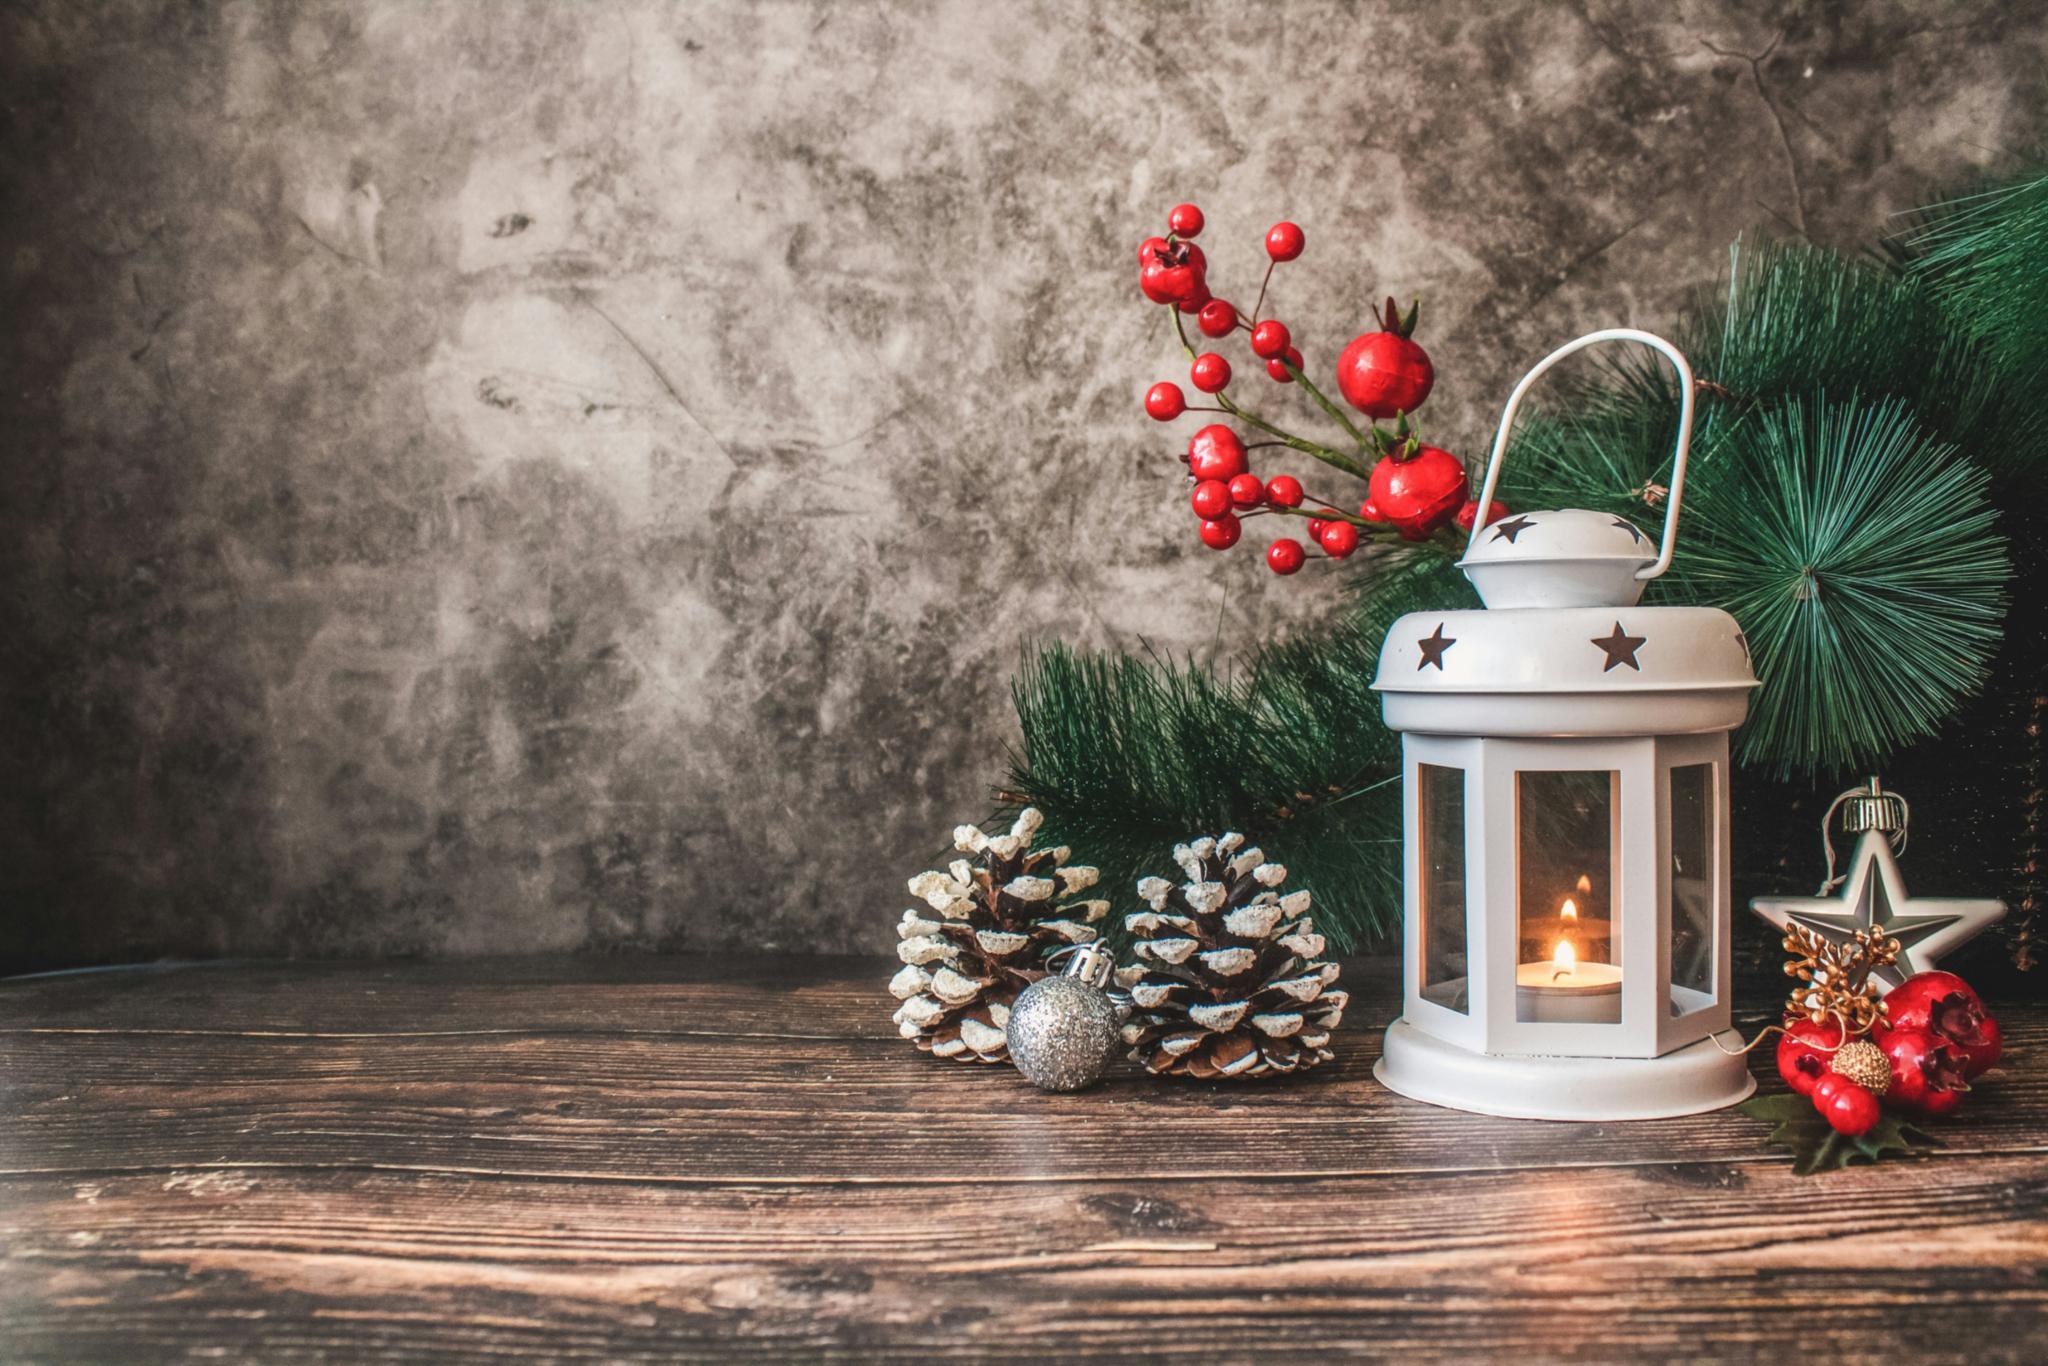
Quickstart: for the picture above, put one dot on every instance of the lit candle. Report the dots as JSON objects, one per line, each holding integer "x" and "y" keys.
{"x": 1562, "y": 990}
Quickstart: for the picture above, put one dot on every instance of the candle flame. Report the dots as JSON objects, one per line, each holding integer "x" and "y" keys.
{"x": 1570, "y": 910}
{"x": 1585, "y": 885}
{"x": 1563, "y": 956}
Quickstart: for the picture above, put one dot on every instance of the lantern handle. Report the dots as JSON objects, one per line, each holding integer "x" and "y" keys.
{"x": 1507, "y": 422}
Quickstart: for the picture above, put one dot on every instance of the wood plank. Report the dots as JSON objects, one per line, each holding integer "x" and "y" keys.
{"x": 707, "y": 1108}
{"x": 1680, "y": 1260}
{"x": 803, "y": 997}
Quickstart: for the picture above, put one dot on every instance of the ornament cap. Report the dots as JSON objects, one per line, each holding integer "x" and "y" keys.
{"x": 1090, "y": 962}
{"x": 1873, "y": 809}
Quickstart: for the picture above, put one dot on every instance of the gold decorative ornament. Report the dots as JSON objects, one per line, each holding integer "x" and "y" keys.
{"x": 1835, "y": 981}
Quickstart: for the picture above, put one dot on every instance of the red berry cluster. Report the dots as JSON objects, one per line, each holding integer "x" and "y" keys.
{"x": 1935, "y": 1039}
{"x": 1415, "y": 489}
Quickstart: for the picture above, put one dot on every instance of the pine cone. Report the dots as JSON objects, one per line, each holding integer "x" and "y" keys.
{"x": 985, "y": 938}
{"x": 1227, "y": 983}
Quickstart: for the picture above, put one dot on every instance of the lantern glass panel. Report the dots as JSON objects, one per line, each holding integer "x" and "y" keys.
{"x": 1441, "y": 808}
{"x": 1568, "y": 936}
{"x": 1694, "y": 863}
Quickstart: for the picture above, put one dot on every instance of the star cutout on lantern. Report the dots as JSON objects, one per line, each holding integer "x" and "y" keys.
{"x": 1507, "y": 531}
{"x": 1433, "y": 649}
{"x": 1621, "y": 649}
{"x": 1630, "y": 527}
{"x": 1874, "y": 896}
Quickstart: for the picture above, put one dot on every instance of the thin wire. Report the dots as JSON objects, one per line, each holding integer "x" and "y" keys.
{"x": 1827, "y": 843}
{"x": 1841, "y": 1029}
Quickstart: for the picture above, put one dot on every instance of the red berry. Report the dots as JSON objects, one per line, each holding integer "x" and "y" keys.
{"x": 1315, "y": 529}
{"x": 1270, "y": 340}
{"x": 1469, "y": 512}
{"x": 1926, "y": 1069}
{"x": 1384, "y": 373}
{"x": 1211, "y": 499}
{"x": 1149, "y": 250}
{"x": 1283, "y": 491}
{"x": 1804, "y": 1054}
{"x": 1338, "y": 539}
{"x": 1198, "y": 298}
{"x": 1285, "y": 555}
{"x": 1216, "y": 452}
{"x": 1850, "y": 1108}
{"x": 1216, "y": 319}
{"x": 1186, "y": 220}
{"x": 1210, "y": 372}
{"x": 1371, "y": 511}
{"x": 1945, "y": 1005}
{"x": 1165, "y": 402}
{"x": 1284, "y": 241}
{"x": 1247, "y": 491}
{"x": 1824, "y": 1089}
{"x": 1221, "y": 533}
{"x": 1421, "y": 493}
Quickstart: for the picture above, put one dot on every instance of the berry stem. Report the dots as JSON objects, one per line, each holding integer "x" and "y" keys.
{"x": 1326, "y": 513}
{"x": 1350, "y": 464}
{"x": 1332, "y": 409}
{"x": 1258, "y": 307}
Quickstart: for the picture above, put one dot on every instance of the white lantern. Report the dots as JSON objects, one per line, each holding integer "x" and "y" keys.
{"x": 1565, "y": 768}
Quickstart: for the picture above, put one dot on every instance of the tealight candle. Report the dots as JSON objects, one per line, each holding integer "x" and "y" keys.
{"x": 1562, "y": 990}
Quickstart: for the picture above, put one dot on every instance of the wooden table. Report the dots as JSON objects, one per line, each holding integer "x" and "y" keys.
{"x": 622, "y": 1159}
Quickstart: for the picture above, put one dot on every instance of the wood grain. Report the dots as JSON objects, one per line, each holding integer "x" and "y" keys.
{"x": 590, "y": 1169}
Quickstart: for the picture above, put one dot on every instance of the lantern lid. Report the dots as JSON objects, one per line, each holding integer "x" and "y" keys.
{"x": 1606, "y": 670}
{"x": 1567, "y": 558}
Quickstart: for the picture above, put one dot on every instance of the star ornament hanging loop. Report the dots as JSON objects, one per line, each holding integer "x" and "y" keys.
{"x": 1835, "y": 980}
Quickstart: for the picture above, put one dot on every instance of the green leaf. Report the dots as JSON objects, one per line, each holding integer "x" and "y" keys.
{"x": 1815, "y": 1145}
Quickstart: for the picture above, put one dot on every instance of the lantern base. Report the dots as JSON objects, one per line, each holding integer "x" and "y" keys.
{"x": 1685, "y": 1081}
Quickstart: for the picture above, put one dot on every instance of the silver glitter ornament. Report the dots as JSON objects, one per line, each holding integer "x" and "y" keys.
{"x": 1063, "y": 1030}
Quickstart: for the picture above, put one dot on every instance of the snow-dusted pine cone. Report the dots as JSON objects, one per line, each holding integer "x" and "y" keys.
{"x": 992, "y": 919}
{"x": 1227, "y": 982}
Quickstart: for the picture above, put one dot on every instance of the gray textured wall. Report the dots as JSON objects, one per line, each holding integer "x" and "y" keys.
{"x": 499, "y": 477}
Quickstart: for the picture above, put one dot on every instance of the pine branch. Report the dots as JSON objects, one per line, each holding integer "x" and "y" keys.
{"x": 1128, "y": 756}
{"x": 1863, "y": 562}
{"x": 1982, "y": 258}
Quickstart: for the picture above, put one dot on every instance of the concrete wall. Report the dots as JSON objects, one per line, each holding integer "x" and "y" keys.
{"x": 488, "y": 477}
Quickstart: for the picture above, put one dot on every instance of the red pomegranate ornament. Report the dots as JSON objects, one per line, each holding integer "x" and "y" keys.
{"x": 1805, "y": 1053}
{"x": 1417, "y": 488}
{"x": 1385, "y": 373}
{"x": 1173, "y": 272}
{"x": 1928, "y": 1073}
{"x": 1947, "y": 1007}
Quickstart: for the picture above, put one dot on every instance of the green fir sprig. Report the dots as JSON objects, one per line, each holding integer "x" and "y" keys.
{"x": 1979, "y": 258}
{"x": 1129, "y": 755}
{"x": 1863, "y": 561}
